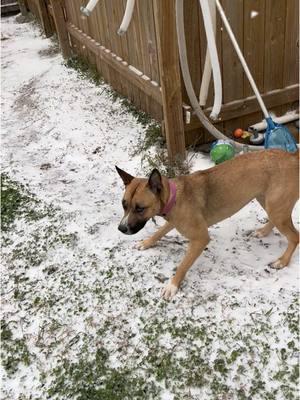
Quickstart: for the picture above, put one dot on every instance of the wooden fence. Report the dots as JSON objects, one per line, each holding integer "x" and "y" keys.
{"x": 40, "y": 9}
{"x": 143, "y": 64}
{"x": 9, "y": 7}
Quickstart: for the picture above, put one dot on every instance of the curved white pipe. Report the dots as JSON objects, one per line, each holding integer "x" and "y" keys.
{"x": 289, "y": 117}
{"x": 205, "y": 81}
{"x": 189, "y": 86}
{"x": 213, "y": 54}
{"x": 127, "y": 17}
{"x": 242, "y": 59}
{"x": 87, "y": 10}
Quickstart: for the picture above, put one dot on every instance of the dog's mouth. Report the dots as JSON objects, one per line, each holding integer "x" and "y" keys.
{"x": 131, "y": 230}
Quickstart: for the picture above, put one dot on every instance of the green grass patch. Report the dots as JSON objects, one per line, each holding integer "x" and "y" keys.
{"x": 13, "y": 351}
{"x": 205, "y": 355}
{"x": 84, "y": 70}
{"x": 16, "y": 201}
{"x": 17, "y": 204}
{"x": 95, "y": 379}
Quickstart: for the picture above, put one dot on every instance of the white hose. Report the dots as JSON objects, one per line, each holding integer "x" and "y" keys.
{"x": 127, "y": 17}
{"x": 284, "y": 119}
{"x": 87, "y": 10}
{"x": 242, "y": 59}
{"x": 189, "y": 86}
{"x": 205, "y": 81}
{"x": 213, "y": 54}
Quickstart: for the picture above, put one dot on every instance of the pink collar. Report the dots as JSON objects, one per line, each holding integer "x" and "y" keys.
{"x": 172, "y": 200}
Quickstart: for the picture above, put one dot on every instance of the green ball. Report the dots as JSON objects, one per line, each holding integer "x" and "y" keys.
{"x": 221, "y": 152}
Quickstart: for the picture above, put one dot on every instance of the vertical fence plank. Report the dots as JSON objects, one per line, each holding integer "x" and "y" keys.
{"x": 291, "y": 45}
{"x": 291, "y": 50}
{"x": 126, "y": 41}
{"x": 149, "y": 49}
{"x": 254, "y": 42}
{"x": 61, "y": 29}
{"x": 133, "y": 53}
{"x": 71, "y": 17}
{"x": 164, "y": 12}
{"x": 44, "y": 17}
{"x": 232, "y": 70}
{"x": 23, "y": 7}
{"x": 191, "y": 19}
{"x": 274, "y": 44}
{"x": 233, "y": 76}
{"x": 110, "y": 27}
{"x": 117, "y": 42}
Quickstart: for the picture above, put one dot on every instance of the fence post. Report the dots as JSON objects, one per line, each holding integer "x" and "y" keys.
{"x": 44, "y": 17}
{"x": 170, "y": 79}
{"x": 61, "y": 27}
{"x": 23, "y": 7}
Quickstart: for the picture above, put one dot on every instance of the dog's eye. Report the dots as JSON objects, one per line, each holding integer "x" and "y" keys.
{"x": 124, "y": 204}
{"x": 139, "y": 209}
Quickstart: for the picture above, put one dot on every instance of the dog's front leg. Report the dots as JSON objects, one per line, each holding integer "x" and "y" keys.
{"x": 194, "y": 250}
{"x": 162, "y": 231}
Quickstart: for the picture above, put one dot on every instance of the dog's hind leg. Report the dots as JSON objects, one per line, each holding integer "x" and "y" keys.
{"x": 287, "y": 228}
{"x": 162, "y": 231}
{"x": 280, "y": 213}
{"x": 264, "y": 230}
{"x": 267, "y": 228}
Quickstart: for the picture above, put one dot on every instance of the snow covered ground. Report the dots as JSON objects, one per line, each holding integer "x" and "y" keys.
{"x": 82, "y": 315}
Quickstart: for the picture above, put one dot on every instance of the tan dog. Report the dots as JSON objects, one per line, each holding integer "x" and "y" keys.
{"x": 204, "y": 198}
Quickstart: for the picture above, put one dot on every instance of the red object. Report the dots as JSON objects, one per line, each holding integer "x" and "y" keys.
{"x": 238, "y": 133}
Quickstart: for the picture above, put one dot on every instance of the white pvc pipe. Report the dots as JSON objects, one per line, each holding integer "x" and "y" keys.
{"x": 87, "y": 10}
{"x": 289, "y": 117}
{"x": 127, "y": 17}
{"x": 242, "y": 59}
{"x": 213, "y": 54}
{"x": 205, "y": 81}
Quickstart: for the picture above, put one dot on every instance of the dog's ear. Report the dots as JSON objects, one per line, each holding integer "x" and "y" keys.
{"x": 155, "y": 182}
{"x": 126, "y": 178}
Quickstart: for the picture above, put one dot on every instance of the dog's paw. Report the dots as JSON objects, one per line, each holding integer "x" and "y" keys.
{"x": 143, "y": 245}
{"x": 279, "y": 264}
{"x": 258, "y": 234}
{"x": 169, "y": 291}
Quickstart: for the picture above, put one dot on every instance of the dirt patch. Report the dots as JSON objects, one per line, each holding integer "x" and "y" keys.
{"x": 23, "y": 19}
{"x": 26, "y": 100}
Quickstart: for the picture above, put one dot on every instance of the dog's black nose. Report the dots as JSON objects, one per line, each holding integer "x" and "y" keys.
{"x": 123, "y": 228}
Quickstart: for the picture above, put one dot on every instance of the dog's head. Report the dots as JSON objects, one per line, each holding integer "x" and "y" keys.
{"x": 141, "y": 201}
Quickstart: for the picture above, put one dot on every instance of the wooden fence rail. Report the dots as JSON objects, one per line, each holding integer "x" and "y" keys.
{"x": 143, "y": 64}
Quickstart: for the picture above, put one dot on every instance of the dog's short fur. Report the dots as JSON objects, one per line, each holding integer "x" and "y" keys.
{"x": 206, "y": 197}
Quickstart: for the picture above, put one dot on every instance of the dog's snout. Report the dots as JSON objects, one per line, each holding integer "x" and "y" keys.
{"x": 123, "y": 228}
